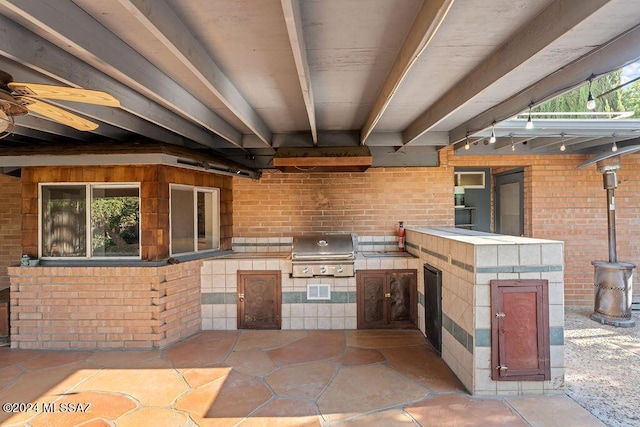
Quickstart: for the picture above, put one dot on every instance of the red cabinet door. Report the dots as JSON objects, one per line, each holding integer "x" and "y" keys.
{"x": 520, "y": 330}
{"x": 259, "y": 300}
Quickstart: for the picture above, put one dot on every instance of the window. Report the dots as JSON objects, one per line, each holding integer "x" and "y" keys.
{"x": 195, "y": 219}
{"x": 90, "y": 220}
{"x": 469, "y": 179}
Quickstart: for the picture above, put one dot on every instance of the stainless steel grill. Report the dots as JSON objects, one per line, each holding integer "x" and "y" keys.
{"x": 323, "y": 255}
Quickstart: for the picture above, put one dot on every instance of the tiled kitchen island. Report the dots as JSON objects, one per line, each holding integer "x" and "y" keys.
{"x": 469, "y": 260}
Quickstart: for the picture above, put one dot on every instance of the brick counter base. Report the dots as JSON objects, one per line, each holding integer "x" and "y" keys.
{"x": 104, "y": 307}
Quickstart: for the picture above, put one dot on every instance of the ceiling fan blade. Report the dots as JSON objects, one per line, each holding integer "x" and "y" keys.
{"x": 58, "y": 114}
{"x": 64, "y": 93}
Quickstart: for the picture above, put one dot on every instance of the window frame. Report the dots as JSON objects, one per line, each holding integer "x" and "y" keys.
{"x": 89, "y": 187}
{"x": 216, "y": 215}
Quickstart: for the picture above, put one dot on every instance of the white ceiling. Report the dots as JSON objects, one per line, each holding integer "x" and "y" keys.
{"x": 242, "y": 77}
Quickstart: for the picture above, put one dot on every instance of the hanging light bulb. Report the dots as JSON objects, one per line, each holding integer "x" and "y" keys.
{"x": 529, "y": 124}
{"x": 513, "y": 147}
{"x": 492, "y": 139}
{"x": 466, "y": 145}
{"x": 614, "y": 147}
{"x": 563, "y": 147}
{"x": 591, "y": 103}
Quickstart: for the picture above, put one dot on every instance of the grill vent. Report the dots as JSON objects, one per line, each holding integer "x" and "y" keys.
{"x": 318, "y": 292}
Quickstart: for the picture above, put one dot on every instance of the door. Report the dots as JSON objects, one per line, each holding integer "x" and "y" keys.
{"x": 509, "y": 203}
{"x": 259, "y": 300}
{"x": 433, "y": 306}
{"x": 520, "y": 330}
{"x": 386, "y": 299}
{"x": 372, "y": 304}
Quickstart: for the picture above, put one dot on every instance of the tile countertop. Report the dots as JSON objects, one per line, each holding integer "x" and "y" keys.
{"x": 478, "y": 237}
{"x": 287, "y": 255}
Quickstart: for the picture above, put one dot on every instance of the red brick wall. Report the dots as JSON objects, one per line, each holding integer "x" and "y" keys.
{"x": 104, "y": 307}
{"x": 561, "y": 203}
{"x": 369, "y": 203}
{"x": 10, "y": 226}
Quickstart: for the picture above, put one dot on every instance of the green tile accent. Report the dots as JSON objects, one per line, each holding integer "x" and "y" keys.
{"x": 287, "y": 298}
{"x": 420, "y": 298}
{"x": 293, "y": 297}
{"x": 458, "y": 332}
{"x": 483, "y": 337}
{"x": 556, "y": 335}
{"x": 519, "y": 269}
{"x": 337, "y": 297}
{"x": 216, "y": 297}
{"x": 411, "y": 245}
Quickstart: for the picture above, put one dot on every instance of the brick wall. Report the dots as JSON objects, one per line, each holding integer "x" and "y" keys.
{"x": 154, "y": 205}
{"x": 561, "y": 203}
{"x": 369, "y": 203}
{"x": 104, "y": 307}
{"x": 10, "y": 226}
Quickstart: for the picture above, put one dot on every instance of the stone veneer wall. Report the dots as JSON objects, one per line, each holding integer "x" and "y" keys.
{"x": 219, "y": 293}
{"x": 467, "y": 270}
{"x": 104, "y": 307}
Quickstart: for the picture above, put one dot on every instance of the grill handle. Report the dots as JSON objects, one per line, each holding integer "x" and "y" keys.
{"x": 348, "y": 256}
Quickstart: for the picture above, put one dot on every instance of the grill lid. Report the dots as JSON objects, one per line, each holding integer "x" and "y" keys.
{"x": 323, "y": 246}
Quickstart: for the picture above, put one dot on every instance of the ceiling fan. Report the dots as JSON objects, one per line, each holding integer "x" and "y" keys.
{"x": 19, "y": 99}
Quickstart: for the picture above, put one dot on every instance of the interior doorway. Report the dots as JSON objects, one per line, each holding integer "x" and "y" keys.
{"x": 509, "y": 203}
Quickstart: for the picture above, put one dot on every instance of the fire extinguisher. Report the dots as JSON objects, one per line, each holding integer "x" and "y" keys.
{"x": 401, "y": 237}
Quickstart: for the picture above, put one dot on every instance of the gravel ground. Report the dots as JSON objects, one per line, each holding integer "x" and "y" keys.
{"x": 603, "y": 367}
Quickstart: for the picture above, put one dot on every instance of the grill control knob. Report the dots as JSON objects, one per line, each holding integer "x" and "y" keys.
{"x": 323, "y": 270}
{"x": 339, "y": 269}
{"x": 305, "y": 270}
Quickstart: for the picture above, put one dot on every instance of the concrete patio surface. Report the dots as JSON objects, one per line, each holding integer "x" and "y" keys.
{"x": 272, "y": 378}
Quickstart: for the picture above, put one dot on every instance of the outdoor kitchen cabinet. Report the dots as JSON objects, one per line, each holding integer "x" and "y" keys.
{"x": 259, "y": 299}
{"x": 520, "y": 330}
{"x": 386, "y": 299}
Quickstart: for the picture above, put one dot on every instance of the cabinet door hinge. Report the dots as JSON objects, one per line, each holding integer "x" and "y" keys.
{"x": 500, "y": 315}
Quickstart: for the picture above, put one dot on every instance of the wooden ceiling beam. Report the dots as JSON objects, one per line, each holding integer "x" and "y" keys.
{"x": 424, "y": 28}
{"x": 547, "y": 27}
{"x": 158, "y": 18}
{"x": 67, "y": 26}
{"x": 291, "y": 9}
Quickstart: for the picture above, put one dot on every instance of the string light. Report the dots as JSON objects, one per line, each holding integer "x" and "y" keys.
{"x": 614, "y": 147}
{"x": 529, "y": 124}
{"x": 492, "y": 140}
{"x": 563, "y": 147}
{"x": 591, "y": 103}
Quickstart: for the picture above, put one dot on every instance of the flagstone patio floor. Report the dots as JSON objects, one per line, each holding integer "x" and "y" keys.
{"x": 262, "y": 378}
